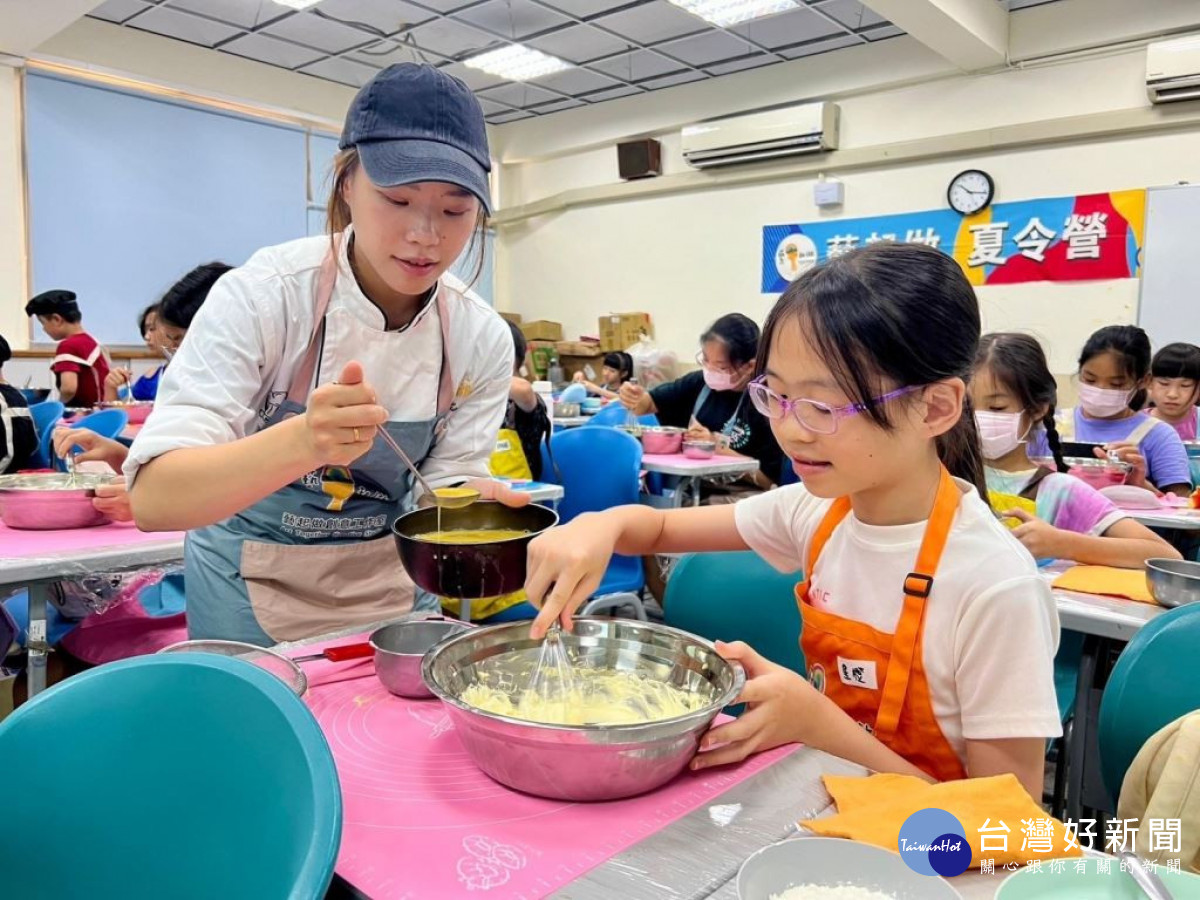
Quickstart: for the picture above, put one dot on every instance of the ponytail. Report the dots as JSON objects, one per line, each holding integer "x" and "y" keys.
{"x": 1053, "y": 440}
{"x": 959, "y": 450}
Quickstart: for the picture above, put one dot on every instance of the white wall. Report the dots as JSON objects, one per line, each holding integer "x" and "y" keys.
{"x": 689, "y": 257}
{"x": 13, "y": 324}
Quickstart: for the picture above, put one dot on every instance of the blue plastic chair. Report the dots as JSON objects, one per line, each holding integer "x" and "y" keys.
{"x": 108, "y": 423}
{"x": 183, "y": 776}
{"x": 1155, "y": 681}
{"x": 599, "y": 469}
{"x": 737, "y": 597}
{"x": 615, "y": 414}
{"x": 45, "y": 417}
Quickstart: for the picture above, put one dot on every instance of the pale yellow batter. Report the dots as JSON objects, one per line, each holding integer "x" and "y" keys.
{"x": 593, "y": 697}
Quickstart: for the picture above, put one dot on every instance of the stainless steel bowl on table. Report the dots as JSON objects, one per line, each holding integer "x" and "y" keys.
{"x": 1173, "y": 582}
{"x": 50, "y": 501}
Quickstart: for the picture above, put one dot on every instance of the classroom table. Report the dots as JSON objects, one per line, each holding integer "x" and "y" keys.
{"x": 692, "y": 471}
{"x": 35, "y": 560}
{"x": 539, "y": 491}
{"x": 1177, "y": 519}
{"x": 570, "y": 421}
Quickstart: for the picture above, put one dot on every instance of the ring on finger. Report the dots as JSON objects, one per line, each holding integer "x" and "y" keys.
{"x": 356, "y": 435}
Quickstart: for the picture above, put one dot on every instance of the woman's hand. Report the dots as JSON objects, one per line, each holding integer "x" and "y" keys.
{"x": 112, "y": 499}
{"x": 782, "y": 705}
{"x": 341, "y": 419}
{"x": 1131, "y": 456}
{"x": 1038, "y": 536}
{"x": 94, "y": 447}
{"x": 565, "y": 566}
{"x": 635, "y": 398}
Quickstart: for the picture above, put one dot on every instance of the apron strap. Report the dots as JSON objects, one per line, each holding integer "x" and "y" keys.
{"x": 302, "y": 380}
{"x": 447, "y": 394}
{"x": 1030, "y": 491}
{"x": 917, "y": 586}
{"x": 1138, "y": 434}
{"x": 832, "y": 519}
{"x": 701, "y": 399}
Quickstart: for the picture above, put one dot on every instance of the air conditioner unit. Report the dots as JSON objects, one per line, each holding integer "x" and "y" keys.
{"x": 771, "y": 134}
{"x": 1173, "y": 70}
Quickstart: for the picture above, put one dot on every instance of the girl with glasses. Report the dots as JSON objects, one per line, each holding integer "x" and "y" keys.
{"x": 928, "y": 636}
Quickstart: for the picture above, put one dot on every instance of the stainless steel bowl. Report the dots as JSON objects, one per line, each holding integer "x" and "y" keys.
{"x": 400, "y": 647}
{"x": 582, "y": 762}
{"x": 1173, "y": 582}
{"x": 46, "y": 502}
{"x": 567, "y": 410}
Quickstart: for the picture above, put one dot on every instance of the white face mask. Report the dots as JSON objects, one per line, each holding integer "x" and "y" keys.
{"x": 999, "y": 432}
{"x": 1103, "y": 403}
{"x": 719, "y": 381}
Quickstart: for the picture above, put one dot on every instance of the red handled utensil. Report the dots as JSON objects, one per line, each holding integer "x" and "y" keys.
{"x": 339, "y": 654}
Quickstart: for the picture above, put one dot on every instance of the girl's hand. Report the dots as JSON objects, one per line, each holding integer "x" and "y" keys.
{"x": 1131, "y": 456}
{"x": 116, "y": 379}
{"x": 565, "y": 566}
{"x": 782, "y": 705}
{"x": 341, "y": 419}
{"x": 498, "y": 491}
{"x": 635, "y": 398}
{"x": 113, "y": 500}
{"x": 1038, "y": 536}
{"x": 697, "y": 432}
{"x": 579, "y": 379}
{"x": 95, "y": 448}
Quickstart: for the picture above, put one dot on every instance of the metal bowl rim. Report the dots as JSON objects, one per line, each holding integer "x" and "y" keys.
{"x": 1162, "y": 566}
{"x": 246, "y": 648}
{"x": 458, "y": 627}
{"x": 520, "y": 537}
{"x": 739, "y": 681}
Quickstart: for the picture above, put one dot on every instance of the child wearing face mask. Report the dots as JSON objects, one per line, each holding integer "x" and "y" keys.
{"x": 1014, "y": 396}
{"x": 1114, "y": 372}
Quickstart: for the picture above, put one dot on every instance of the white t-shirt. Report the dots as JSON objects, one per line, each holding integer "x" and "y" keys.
{"x": 250, "y": 336}
{"x": 991, "y": 626}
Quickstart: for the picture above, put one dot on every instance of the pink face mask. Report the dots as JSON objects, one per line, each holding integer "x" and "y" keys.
{"x": 719, "y": 381}
{"x": 999, "y": 433}
{"x": 1103, "y": 403}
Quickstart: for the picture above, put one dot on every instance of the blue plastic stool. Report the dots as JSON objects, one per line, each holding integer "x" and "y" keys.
{"x": 615, "y": 415}
{"x": 45, "y": 417}
{"x": 108, "y": 423}
{"x": 190, "y": 777}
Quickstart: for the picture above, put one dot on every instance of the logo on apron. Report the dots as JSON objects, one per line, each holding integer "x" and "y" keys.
{"x": 816, "y": 676}
{"x": 338, "y": 483}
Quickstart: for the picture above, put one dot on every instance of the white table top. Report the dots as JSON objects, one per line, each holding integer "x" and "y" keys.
{"x": 680, "y": 465}
{"x": 570, "y": 422}
{"x": 540, "y": 492}
{"x": 1182, "y": 519}
{"x": 1109, "y": 617}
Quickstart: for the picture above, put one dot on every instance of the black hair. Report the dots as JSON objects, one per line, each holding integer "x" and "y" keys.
{"x": 886, "y": 316}
{"x": 184, "y": 298}
{"x": 55, "y": 303}
{"x": 5, "y": 351}
{"x": 738, "y": 333}
{"x": 146, "y": 313}
{"x": 1131, "y": 346}
{"x": 1019, "y": 363}
{"x": 622, "y": 362}
{"x": 520, "y": 346}
{"x": 1177, "y": 361}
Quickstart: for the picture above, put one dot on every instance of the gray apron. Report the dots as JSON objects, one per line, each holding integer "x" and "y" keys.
{"x": 318, "y": 554}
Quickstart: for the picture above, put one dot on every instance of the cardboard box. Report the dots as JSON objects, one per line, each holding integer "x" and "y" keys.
{"x": 537, "y": 360}
{"x": 589, "y": 364}
{"x": 578, "y": 348}
{"x": 515, "y": 318}
{"x": 620, "y": 331}
{"x": 542, "y": 330}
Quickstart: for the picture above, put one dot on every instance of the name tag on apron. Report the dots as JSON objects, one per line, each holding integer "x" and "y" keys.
{"x": 857, "y": 673}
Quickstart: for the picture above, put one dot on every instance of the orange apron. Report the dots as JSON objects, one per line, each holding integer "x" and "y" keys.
{"x": 876, "y": 678}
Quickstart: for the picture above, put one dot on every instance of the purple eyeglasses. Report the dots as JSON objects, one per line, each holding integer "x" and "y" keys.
{"x": 818, "y": 417}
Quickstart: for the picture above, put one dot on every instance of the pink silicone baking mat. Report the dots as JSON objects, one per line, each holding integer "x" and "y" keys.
{"x": 421, "y": 822}
{"x": 18, "y": 544}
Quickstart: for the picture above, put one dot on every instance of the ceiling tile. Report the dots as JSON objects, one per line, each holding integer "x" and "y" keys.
{"x": 386, "y": 16}
{"x": 233, "y": 12}
{"x": 637, "y": 66}
{"x": 491, "y": 108}
{"x": 186, "y": 27}
{"x": 314, "y": 31}
{"x": 341, "y": 70}
{"x": 851, "y": 13}
{"x": 584, "y": 8}
{"x": 446, "y": 6}
{"x": 740, "y": 65}
{"x": 473, "y": 78}
{"x": 657, "y": 84}
{"x": 558, "y": 106}
{"x": 612, "y": 94}
{"x": 833, "y": 43}
{"x": 655, "y": 21}
{"x": 515, "y": 19}
{"x": 578, "y": 44}
{"x": 519, "y": 95}
{"x": 513, "y": 116}
{"x": 577, "y": 81}
{"x": 273, "y": 51}
{"x": 118, "y": 10}
{"x": 879, "y": 34}
{"x": 452, "y": 39}
{"x": 710, "y": 47}
{"x": 386, "y": 53}
{"x": 792, "y": 27}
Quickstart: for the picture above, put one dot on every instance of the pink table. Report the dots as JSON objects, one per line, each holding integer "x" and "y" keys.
{"x": 18, "y": 544}
{"x": 692, "y": 470}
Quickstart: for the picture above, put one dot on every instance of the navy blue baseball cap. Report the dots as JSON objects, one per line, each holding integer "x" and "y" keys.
{"x": 415, "y": 123}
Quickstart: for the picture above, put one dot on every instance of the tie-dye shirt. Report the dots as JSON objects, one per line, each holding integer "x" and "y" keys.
{"x": 1062, "y": 500}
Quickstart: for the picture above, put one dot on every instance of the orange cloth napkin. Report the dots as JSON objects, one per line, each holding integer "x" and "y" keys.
{"x": 1106, "y": 581}
{"x": 871, "y": 809}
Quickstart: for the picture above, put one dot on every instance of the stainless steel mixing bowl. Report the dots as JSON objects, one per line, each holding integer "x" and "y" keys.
{"x": 582, "y": 762}
{"x": 1173, "y": 582}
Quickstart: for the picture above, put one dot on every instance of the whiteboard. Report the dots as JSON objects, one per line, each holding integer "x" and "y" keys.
{"x": 1169, "y": 308}
{"x": 128, "y": 192}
